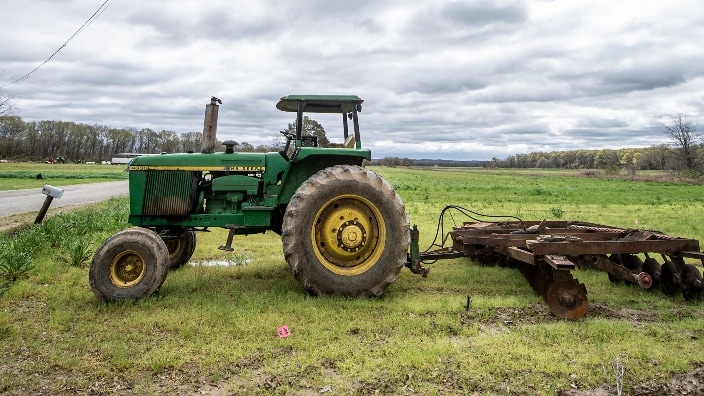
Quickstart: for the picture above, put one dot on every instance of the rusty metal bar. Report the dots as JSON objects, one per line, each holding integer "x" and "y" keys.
{"x": 519, "y": 239}
{"x": 520, "y": 254}
{"x": 620, "y": 246}
{"x": 695, "y": 255}
{"x": 559, "y": 262}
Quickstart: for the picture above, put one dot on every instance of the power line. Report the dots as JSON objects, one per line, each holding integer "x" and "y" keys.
{"x": 90, "y": 20}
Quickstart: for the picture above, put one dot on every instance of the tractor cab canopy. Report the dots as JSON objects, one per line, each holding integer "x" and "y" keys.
{"x": 320, "y": 103}
{"x": 347, "y": 105}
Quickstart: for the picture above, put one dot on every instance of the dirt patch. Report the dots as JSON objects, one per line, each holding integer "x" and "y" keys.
{"x": 690, "y": 384}
{"x": 540, "y": 313}
{"x": 633, "y": 315}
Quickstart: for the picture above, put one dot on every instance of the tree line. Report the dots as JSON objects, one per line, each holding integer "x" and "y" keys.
{"x": 660, "y": 157}
{"x": 76, "y": 142}
{"x": 685, "y": 153}
{"x": 39, "y": 140}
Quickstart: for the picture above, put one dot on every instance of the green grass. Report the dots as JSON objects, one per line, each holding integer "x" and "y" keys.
{"x": 216, "y": 326}
{"x": 669, "y": 207}
{"x": 15, "y": 176}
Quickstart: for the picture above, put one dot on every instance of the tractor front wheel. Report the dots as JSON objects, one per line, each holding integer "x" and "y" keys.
{"x": 345, "y": 231}
{"x": 181, "y": 248}
{"x": 131, "y": 264}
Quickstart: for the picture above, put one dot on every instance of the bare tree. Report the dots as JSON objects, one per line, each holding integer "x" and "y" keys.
{"x": 685, "y": 136}
{"x": 5, "y": 103}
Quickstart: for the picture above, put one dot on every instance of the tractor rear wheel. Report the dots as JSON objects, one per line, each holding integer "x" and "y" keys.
{"x": 181, "y": 248}
{"x": 131, "y": 264}
{"x": 345, "y": 231}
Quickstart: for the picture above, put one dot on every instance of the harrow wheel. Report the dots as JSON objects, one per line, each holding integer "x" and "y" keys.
{"x": 345, "y": 232}
{"x": 567, "y": 299}
{"x": 131, "y": 264}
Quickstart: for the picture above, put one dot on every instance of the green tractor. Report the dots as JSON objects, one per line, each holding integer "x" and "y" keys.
{"x": 344, "y": 229}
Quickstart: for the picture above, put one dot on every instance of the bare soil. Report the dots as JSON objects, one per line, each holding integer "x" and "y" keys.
{"x": 690, "y": 384}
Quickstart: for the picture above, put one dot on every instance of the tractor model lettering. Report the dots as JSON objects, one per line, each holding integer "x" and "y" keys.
{"x": 199, "y": 168}
{"x": 245, "y": 168}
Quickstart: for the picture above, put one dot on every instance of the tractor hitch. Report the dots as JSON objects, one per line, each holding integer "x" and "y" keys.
{"x": 413, "y": 262}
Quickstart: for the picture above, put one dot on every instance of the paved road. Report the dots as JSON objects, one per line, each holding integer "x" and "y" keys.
{"x": 31, "y": 200}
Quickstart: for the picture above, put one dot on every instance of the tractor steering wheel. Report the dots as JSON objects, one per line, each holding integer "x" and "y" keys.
{"x": 288, "y": 135}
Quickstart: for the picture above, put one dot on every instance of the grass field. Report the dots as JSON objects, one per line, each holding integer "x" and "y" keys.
{"x": 213, "y": 329}
{"x": 15, "y": 176}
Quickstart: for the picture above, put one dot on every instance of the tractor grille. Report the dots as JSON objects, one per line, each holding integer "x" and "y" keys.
{"x": 170, "y": 193}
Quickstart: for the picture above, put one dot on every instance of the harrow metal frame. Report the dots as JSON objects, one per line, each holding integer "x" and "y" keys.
{"x": 546, "y": 252}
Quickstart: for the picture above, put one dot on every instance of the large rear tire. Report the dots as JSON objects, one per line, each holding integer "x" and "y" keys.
{"x": 129, "y": 265}
{"x": 345, "y": 231}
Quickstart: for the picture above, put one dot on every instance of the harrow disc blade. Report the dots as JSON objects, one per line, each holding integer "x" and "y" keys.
{"x": 537, "y": 278}
{"x": 567, "y": 299}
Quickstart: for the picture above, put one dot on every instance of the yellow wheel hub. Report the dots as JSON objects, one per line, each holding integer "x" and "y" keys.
{"x": 127, "y": 269}
{"x": 348, "y": 235}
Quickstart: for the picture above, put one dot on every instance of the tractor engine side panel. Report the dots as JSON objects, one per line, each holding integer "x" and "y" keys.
{"x": 232, "y": 190}
{"x": 229, "y": 194}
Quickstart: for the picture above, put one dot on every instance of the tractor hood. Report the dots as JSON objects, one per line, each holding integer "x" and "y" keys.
{"x": 243, "y": 162}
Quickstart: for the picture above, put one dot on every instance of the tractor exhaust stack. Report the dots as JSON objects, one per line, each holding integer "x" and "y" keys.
{"x": 210, "y": 126}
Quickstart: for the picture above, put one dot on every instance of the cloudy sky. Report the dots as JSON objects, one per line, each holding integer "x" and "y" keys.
{"x": 440, "y": 79}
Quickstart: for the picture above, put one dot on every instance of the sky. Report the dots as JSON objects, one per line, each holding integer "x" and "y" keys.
{"x": 466, "y": 80}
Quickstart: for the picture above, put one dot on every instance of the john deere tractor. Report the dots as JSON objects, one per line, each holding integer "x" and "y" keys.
{"x": 344, "y": 229}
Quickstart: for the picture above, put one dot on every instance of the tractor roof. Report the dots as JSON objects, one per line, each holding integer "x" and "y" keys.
{"x": 319, "y": 103}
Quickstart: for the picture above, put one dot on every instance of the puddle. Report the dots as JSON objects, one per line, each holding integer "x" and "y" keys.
{"x": 221, "y": 263}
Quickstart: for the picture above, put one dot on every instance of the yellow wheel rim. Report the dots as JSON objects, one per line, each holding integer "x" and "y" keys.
{"x": 127, "y": 269}
{"x": 348, "y": 235}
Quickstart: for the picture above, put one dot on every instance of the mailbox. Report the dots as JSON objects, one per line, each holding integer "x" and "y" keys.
{"x": 52, "y": 191}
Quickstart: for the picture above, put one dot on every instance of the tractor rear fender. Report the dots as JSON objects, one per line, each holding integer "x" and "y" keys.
{"x": 310, "y": 160}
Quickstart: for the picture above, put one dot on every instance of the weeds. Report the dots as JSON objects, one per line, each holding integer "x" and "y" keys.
{"x": 78, "y": 252}
{"x": 619, "y": 373}
{"x": 557, "y": 212}
{"x": 15, "y": 261}
{"x": 4, "y": 286}
{"x": 69, "y": 233}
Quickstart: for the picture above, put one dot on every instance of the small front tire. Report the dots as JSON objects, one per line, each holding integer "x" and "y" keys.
{"x": 129, "y": 265}
{"x": 181, "y": 249}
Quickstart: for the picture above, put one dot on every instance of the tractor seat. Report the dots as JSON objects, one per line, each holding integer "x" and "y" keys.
{"x": 349, "y": 142}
